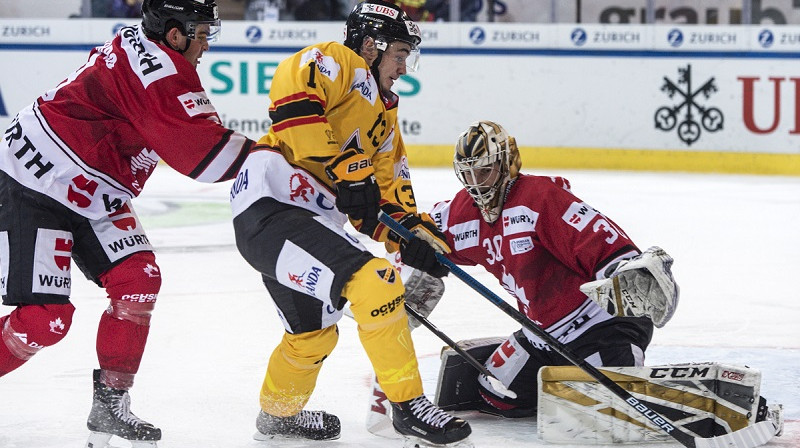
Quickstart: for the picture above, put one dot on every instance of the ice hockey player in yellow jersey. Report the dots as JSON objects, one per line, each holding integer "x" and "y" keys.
{"x": 334, "y": 152}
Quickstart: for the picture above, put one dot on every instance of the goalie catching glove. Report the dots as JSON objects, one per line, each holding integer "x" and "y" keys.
{"x": 357, "y": 191}
{"x": 641, "y": 286}
{"x": 420, "y": 252}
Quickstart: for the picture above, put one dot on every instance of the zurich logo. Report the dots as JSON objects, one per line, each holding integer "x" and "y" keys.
{"x": 675, "y": 37}
{"x": 578, "y": 36}
{"x": 477, "y": 35}
{"x": 766, "y": 38}
{"x": 253, "y": 34}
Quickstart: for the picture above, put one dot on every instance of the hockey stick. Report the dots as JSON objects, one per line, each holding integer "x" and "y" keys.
{"x": 496, "y": 384}
{"x": 748, "y": 437}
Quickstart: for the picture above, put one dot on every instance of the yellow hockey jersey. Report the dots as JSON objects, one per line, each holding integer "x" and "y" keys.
{"x": 324, "y": 99}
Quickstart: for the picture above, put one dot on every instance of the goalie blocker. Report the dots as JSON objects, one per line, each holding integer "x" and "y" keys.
{"x": 704, "y": 399}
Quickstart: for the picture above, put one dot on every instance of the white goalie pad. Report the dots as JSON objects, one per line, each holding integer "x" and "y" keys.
{"x": 641, "y": 286}
{"x": 704, "y": 400}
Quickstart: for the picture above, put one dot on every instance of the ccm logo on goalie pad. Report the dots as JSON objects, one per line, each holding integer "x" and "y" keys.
{"x": 579, "y": 215}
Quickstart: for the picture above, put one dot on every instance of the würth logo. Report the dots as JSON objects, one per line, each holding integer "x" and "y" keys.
{"x": 688, "y": 115}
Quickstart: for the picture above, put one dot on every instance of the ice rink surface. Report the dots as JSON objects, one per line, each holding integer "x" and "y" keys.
{"x": 734, "y": 239}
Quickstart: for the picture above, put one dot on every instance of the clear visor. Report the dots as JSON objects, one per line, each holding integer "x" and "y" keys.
{"x": 410, "y": 59}
{"x": 206, "y": 30}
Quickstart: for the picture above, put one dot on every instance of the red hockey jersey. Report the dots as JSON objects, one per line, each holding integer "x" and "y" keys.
{"x": 92, "y": 141}
{"x": 545, "y": 244}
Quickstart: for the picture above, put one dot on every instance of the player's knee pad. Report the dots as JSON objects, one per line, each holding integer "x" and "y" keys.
{"x": 311, "y": 348}
{"x": 31, "y": 328}
{"x": 375, "y": 293}
{"x": 133, "y": 287}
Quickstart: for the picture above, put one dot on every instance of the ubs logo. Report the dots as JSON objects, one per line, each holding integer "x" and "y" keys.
{"x": 689, "y": 116}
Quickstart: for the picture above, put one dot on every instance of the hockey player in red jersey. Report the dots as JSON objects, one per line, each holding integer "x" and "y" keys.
{"x": 69, "y": 165}
{"x": 548, "y": 249}
{"x": 334, "y": 151}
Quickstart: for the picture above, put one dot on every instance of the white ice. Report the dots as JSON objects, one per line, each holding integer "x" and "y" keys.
{"x": 735, "y": 241}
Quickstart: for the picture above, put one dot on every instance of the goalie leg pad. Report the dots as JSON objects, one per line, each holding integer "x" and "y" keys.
{"x": 705, "y": 400}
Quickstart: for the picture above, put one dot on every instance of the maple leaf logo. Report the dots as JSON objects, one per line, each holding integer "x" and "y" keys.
{"x": 56, "y": 325}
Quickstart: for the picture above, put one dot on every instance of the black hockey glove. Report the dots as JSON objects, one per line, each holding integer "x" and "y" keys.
{"x": 357, "y": 191}
{"x": 418, "y": 254}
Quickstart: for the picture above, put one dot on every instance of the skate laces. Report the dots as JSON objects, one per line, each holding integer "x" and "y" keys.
{"x": 309, "y": 419}
{"x": 121, "y": 406}
{"x": 429, "y": 413}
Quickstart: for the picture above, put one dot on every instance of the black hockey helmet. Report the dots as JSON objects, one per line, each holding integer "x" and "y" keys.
{"x": 385, "y": 22}
{"x": 159, "y": 16}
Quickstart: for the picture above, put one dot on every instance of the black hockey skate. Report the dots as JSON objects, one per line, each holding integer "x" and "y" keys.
{"x": 111, "y": 416}
{"x": 313, "y": 425}
{"x": 420, "y": 419}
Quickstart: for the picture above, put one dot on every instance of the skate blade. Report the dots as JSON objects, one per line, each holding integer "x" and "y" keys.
{"x": 282, "y": 440}
{"x": 101, "y": 440}
{"x": 413, "y": 442}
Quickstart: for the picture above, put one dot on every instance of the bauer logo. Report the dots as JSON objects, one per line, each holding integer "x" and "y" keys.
{"x": 579, "y": 215}
{"x": 519, "y": 219}
{"x": 465, "y": 234}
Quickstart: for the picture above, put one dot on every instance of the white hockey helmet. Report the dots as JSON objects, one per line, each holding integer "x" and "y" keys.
{"x": 486, "y": 159}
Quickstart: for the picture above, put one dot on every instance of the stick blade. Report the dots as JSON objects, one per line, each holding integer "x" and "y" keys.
{"x": 749, "y": 437}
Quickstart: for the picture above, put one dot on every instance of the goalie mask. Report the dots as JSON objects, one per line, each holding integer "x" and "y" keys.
{"x": 386, "y": 23}
{"x": 160, "y": 16}
{"x": 486, "y": 160}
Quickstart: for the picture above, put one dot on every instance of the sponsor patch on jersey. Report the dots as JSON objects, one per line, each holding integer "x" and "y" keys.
{"x": 4, "y": 263}
{"x": 302, "y": 272}
{"x": 364, "y": 82}
{"x": 466, "y": 234}
{"x": 579, "y": 215}
{"x": 401, "y": 170}
{"x": 371, "y": 8}
{"x": 520, "y": 245}
{"x": 51, "y": 262}
{"x": 121, "y": 233}
{"x": 149, "y": 62}
{"x": 326, "y": 65}
{"x": 196, "y": 103}
{"x": 387, "y": 275}
{"x": 519, "y": 219}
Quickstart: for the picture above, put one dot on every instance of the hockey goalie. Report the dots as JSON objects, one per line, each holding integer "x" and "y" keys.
{"x": 576, "y": 274}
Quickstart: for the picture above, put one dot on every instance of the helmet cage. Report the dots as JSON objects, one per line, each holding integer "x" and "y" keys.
{"x": 482, "y": 164}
